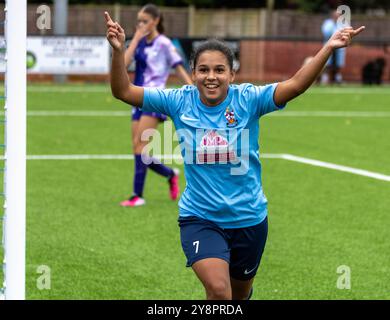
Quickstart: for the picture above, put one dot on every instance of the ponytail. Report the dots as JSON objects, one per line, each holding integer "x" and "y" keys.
{"x": 153, "y": 10}
{"x": 160, "y": 26}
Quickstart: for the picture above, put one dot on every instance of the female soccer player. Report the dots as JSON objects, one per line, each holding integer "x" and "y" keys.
{"x": 223, "y": 211}
{"x": 154, "y": 55}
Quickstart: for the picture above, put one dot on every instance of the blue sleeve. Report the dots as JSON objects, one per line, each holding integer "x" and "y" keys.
{"x": 164, "y": 101}
{"x": 265, "y": 99}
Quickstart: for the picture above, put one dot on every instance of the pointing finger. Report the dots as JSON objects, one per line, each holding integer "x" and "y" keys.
{"x": 107, "y": 16}
{"x": 357, "y": 31}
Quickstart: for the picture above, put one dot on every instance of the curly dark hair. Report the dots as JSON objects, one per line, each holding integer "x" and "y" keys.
{"x": 213, "y": 45}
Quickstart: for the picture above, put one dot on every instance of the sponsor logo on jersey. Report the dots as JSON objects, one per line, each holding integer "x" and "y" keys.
{"x": 214, "y": 148}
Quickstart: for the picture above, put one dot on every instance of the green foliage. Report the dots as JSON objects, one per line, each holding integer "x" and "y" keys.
{"x": 312, "y": 5}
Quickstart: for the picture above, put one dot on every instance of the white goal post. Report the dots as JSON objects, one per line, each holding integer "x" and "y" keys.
{"x": 15, "y": 150}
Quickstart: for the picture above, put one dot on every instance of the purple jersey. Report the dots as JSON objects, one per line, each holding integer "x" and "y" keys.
{"x": 154, "y": 61}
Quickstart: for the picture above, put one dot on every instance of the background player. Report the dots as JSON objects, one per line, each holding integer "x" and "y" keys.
{"x": 154, "y": 56}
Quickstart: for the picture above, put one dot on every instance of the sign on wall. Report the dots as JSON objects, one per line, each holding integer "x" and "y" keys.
{"x": 64, "y": 55}
{"x": 67, "y": 55}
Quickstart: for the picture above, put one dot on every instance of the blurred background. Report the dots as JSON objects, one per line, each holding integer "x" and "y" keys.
{"x": 271, "y": 38}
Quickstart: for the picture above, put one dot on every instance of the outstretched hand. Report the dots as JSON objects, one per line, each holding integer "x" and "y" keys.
{"x": 115, "y": 34}
{"x": 343, "y": 37}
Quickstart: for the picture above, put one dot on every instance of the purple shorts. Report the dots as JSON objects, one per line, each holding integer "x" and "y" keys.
{"x": 137, "y": 113}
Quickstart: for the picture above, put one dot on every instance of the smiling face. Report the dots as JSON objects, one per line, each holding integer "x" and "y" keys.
{"x": 212, "y": 76}
{"x": 147, "y": 22}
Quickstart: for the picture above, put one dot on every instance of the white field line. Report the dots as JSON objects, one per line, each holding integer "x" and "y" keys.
{"x": 337, "y": 167}
{"x": 106, "y": 89}
{"x": 348, "y": 114}
{"x": 58, "y": 89}
{"x": 113, "y": 113}
{"x": 99, "y": 157}
{"x": 355, "y": 91}
{"x": 92, "y": 113}
{"x": 289, "y": 157}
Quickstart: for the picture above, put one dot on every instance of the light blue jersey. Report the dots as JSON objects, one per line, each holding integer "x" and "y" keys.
{"x": 220, "y": 149}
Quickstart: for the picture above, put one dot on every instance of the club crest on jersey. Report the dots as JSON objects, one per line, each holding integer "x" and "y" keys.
{"x": 214, "y": 148}
{"x": 230, "y": 118}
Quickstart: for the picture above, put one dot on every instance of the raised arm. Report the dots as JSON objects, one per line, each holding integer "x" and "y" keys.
{"x": 121, "y": 87}
{"x": 303, "y": 79}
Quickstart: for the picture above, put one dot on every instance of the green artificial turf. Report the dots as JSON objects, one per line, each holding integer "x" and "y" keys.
{"x": 319, "y": 219}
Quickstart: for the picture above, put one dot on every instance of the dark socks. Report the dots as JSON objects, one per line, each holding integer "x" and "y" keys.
{"x": 139, "y": 175}
{"x": 159, "y": 168}
{"x": 141, "y": 169}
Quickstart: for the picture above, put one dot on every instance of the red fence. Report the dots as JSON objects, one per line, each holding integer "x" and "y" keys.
{"x": 268, "y": 61}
